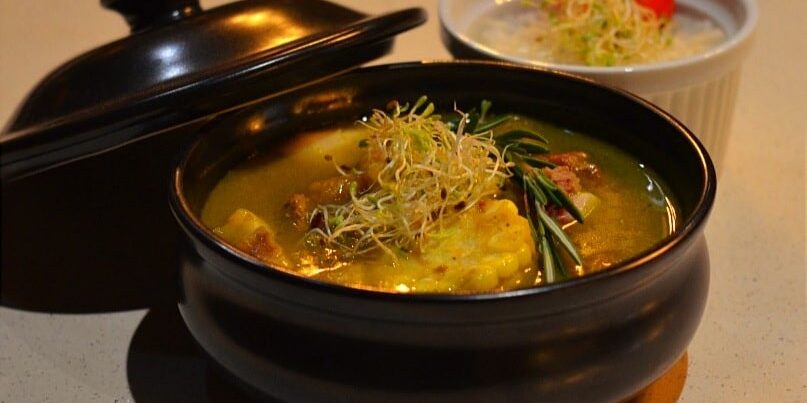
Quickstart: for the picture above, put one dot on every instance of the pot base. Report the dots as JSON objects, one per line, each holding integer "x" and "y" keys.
{"x": 665, "y": 389}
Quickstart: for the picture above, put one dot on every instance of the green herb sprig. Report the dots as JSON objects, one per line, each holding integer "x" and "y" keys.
{"x": 518, "y": 147}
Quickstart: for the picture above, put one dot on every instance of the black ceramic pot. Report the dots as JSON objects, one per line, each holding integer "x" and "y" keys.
{"x": 598, "y": 338}
{"x": 85, "y": 224}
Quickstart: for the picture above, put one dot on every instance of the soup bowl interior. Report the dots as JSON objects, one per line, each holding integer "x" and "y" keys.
{"x": 642, "y": 312}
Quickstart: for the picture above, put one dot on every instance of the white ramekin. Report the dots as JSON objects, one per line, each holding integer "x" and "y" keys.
{"x": 699, "y": 90}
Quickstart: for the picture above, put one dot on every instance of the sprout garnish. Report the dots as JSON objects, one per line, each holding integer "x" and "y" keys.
{"x": 427, "y": 169}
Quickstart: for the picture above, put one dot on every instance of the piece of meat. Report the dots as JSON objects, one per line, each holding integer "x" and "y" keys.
{"x": 567, "y": 180}
{"x": 577, "y": 161}
{"x": 336, "y": 190}
{"x": 298, "y": 210}
{"x": 564, "y": 178}
{"x": 249, "y": 233}
{"x": 585, "y": 203}
{"x": 559, "y": 214}
{"x": 262, "y": 245}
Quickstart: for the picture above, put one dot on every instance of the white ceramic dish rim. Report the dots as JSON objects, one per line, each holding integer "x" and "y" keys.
{"x": 742, "y": 36}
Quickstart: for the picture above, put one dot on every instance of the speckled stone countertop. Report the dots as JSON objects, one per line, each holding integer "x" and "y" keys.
{"x": 751, "y": 345}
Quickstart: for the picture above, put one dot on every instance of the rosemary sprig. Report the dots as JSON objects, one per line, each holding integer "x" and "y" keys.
{"x": 518, "y": 148}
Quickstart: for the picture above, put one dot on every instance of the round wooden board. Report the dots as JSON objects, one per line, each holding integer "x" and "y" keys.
{"x": 666, "y": 389}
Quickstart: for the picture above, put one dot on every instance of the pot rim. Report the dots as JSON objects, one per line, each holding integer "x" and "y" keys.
{"x": 193, "y": 226}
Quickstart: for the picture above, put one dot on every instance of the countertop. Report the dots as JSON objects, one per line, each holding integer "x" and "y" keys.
{"x": 751, "y": 345}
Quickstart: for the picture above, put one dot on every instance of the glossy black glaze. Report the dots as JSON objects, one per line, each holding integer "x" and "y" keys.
{"x": 598, "y": 338}
{"x": 85, "y": 221}
{"x": 95, "y": 235}
{"x": 168, "y": 74}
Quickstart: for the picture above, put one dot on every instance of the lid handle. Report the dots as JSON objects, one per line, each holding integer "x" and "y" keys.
{"x": 144, "y": 14}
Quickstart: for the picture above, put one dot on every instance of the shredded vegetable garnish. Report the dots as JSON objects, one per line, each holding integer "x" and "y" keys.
{"x": 424, "y": 170}
{"x": 604, "y": 32}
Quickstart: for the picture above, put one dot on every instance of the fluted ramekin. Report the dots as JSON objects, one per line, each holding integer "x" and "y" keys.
{"x": 699, "y": 90}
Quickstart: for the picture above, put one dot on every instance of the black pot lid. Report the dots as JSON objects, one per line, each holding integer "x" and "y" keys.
{"x": 181, "y": 64}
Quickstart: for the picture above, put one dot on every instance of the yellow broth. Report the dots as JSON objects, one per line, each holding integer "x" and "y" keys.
{"x": 633, "y": 215}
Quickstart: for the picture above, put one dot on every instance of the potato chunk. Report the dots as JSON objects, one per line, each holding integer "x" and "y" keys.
{"x": 247, "y": 232}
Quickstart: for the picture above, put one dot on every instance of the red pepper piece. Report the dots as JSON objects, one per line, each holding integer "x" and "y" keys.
{"x": 662, "y": 8}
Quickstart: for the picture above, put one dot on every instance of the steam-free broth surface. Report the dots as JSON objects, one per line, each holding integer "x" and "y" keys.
{"x": 488, "y": 249}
